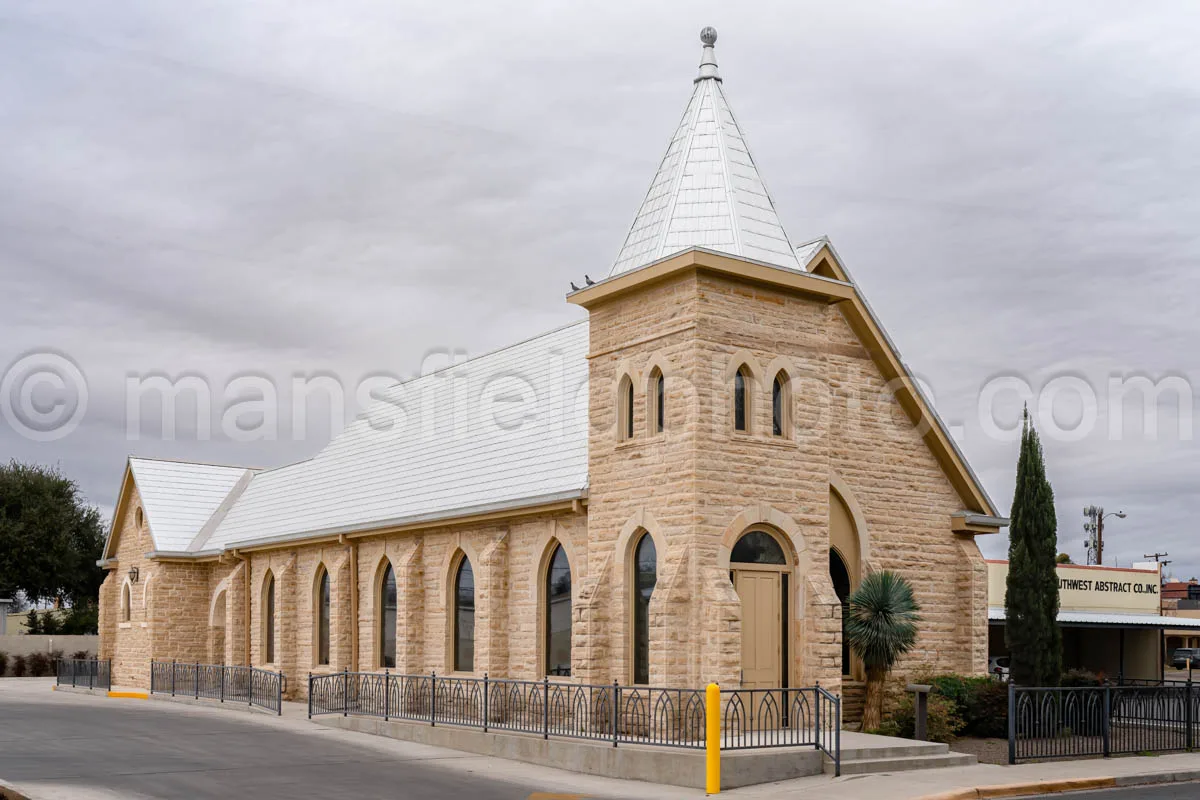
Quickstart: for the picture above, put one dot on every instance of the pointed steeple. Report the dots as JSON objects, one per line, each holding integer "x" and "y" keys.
{"x": 707, "y": 192}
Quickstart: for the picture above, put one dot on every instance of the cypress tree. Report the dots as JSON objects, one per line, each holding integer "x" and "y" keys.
{"x": 1031, "y": 605}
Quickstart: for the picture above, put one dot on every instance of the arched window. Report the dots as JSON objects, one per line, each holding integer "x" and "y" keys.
{"x": 558, "y": 614}
{"x": 658, "y": 401}
{"x": 645, "y": 575}
{"x": 139, "y": 517}
{"x": 268, "y": 615}
{"x": 322, "y": 615}
{"x": 126, "y": 603}
{"x": 625, "y": 409}
{"x": 464, "y": 617}
{"x": 387, "y": 618}
{"x": 757, "y": 547}
{"x": 781, "y": 404}
{"x": 741, "y": 399}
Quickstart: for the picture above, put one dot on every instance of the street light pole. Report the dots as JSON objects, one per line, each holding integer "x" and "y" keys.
{"x": 1095, "y": 527}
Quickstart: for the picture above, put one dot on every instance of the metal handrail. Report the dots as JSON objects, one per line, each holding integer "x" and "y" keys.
{"x": 221, "y": 682}
{"x": 94, "y": 673}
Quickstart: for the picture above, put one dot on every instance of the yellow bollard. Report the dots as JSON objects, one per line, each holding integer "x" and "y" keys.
{"x": 712, "y": 739}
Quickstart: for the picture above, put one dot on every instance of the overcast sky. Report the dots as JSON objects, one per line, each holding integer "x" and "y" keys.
{"x": 289, "y": 187}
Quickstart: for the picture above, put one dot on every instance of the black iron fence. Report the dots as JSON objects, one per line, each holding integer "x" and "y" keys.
{"x": 1077, "y": 722}
{"x": 606, "y": 712}
{"x": 93, "y": 673}
{"x": 226, "y": 684}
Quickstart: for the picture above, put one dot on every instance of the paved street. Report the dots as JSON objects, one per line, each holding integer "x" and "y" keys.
{"x": 59, "y": 745}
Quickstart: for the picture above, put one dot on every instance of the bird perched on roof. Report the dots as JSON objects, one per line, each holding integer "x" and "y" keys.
{"x": 574, "y": 288}
{"x": 589, "y": 280}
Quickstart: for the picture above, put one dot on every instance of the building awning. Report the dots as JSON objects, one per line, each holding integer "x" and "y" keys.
{"x": 1110, "y": 619}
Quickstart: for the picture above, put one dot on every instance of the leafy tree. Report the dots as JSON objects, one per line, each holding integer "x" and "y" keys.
{"x": 50, "y": 538}
{"x": 1063, "y": 558}
{"x": 1031, "y": 630}
{"x": 881, "y": 627}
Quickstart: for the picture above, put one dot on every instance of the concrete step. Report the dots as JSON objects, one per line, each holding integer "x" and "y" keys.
{"x": 906, "y": 750}
{"x": 869, "y": 766}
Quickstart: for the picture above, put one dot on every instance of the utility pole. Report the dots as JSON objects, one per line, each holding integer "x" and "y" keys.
{"x": 1094, "y": 528}
{"x": 1156, "y": 556}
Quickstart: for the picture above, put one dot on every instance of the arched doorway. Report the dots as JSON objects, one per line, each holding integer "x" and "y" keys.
{"x": 840, "y": 576}
{"x": 845, "y": 568}
{"x": 760, "y": 572}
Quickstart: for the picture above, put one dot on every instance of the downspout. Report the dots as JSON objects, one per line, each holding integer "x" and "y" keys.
{"x": 246, "y": 611}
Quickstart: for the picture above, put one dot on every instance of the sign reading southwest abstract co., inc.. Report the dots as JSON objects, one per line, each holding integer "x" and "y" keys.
{"x": 1112, "y": 589}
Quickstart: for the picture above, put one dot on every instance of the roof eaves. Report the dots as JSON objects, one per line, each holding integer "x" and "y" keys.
{"x": 924, "y": 400}
{"x": 447, "y": 515}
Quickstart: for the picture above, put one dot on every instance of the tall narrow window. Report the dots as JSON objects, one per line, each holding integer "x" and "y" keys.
{"x": 126, "y": 603}
{"x": 741, "y": 400}
{"x": 781, "y": 405}
{"x": 464, "y": 617}
{"x": 658, "y": 400}
{"x": 269, "y": 619}
{"x": 625, "y": 409}
{"x": 645, "y": 575}
{"x": 387, "y": 618}
{"x": 558, "y": 614}
{"x": 323, "y": 617}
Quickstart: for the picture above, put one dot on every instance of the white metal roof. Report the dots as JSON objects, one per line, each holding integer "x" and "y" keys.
{"x": 1107, "y": 618}
{"x": 507, "y": 428}
{"x": 178, "y": 497}
{"x": 707, "y": 191}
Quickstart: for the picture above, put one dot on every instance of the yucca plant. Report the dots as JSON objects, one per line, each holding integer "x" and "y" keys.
{"x": 881, "y": 627}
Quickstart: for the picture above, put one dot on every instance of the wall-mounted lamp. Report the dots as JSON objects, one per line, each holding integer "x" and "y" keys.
{"x": 133, "y": 574}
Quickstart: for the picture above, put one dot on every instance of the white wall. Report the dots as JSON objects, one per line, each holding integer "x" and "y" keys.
{"x": 24, "y": 645}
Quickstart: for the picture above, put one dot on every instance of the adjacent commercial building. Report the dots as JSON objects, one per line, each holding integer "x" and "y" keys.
{"x": 683, "y": 487}
{"x": 1110, "y": 617}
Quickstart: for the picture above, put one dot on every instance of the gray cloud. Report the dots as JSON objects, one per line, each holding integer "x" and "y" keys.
{"x": 298, "y": 187}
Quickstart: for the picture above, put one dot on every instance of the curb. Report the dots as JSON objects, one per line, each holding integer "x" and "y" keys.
{"x": 1063, "y": 785}
{"x": 131, "y": 695}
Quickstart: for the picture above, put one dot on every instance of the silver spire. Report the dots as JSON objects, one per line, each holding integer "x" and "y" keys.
{"x": 708, "y": 59}
{"x": 707, "y": 191}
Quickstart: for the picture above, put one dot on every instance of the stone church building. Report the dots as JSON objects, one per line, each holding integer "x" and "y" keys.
{"x": 682, "y": 487}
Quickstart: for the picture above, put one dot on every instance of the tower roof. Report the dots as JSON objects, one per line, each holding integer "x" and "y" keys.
{"x": 707, "y": 192}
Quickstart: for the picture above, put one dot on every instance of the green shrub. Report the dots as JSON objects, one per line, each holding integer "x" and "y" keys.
{"x": 1074, "y": 678}
{"x": 81, "y": 655}
{"x": 3, "y": 663}
{"x": 942, "y": 722}
{"x": 38, "y": 665}
{"x": 33, "y": 622}
{"x": 51, "y": 626}
{"x": 986, "y": 711}
{"x": 980, "y": 701}
{"x": 19, "y": 667}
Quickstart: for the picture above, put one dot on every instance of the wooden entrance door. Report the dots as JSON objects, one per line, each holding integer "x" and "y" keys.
{"x": 762, "y": 628}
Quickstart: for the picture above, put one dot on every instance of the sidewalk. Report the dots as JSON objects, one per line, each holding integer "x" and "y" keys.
{"x": 953, "y": 782}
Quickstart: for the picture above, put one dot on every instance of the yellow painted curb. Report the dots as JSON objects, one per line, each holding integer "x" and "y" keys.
{"x": 131, "y": 695}
{"x": 1020, "y": 789}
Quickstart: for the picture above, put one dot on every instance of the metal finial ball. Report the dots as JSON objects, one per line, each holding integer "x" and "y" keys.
{"x": 709, "y": 36}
